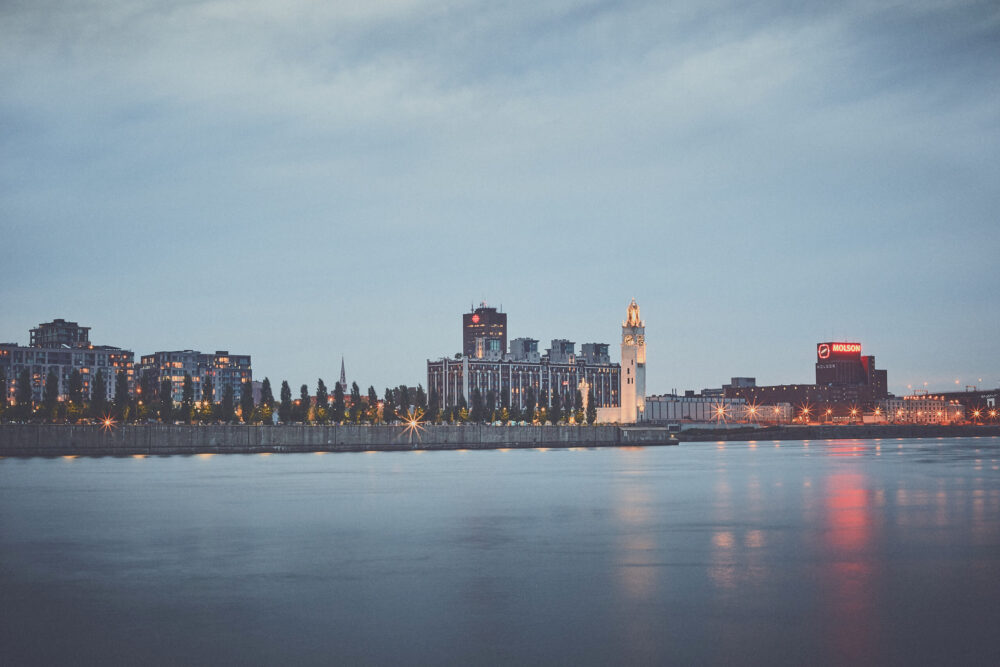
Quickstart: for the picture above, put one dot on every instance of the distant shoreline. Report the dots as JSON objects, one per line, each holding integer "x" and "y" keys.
{"x": 49, "y": 440}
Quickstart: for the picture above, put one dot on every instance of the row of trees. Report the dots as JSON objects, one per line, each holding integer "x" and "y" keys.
{"x": 154, "y": 401}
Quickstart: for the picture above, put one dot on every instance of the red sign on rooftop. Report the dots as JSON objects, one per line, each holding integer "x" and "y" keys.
{"x": 827, "y": 350}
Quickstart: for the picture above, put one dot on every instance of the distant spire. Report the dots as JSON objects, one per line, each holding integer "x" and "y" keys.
{"x": 343, "y": 375}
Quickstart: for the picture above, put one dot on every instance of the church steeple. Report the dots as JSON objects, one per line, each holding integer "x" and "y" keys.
{"x": 343, "y": 375}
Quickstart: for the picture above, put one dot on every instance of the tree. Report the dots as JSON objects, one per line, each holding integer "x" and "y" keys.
{"x": 433, "y": 407}
{"x": 99, "y": 396}
{"x": 50, "y": 396}
{"x": 304, "y": 403}
{"x": 403, "y": 399}
{"x": 420, "y": 400}
{"x": 166, "y": 402}
{"x": 555, "y": 411}
{"x": 226, "y": 408}
{"x": 476, "y": 412}
{"x": 578, "y": 407}
{"x": 355, "y": 403}
{"x": 75, "y": 389}
{"x": 266, "y": 406}
{"x": 339, "y": 406}
{"x": 529, "y": 406}
{"x": 3, "y": 392}
{"x": 322, "y": 402}
{"x": 285, "y": 407}
{"x": 246, "y": 402}
{"x": 121, "y": 405}
{"x": 187, "y": 399}
{"x": 23, "y": 396}
{"x": 515, "y": 413}
{"x": 372, "y": 405}
{"x": 490, "y": 407}
{"x": 388, "y": 407}
{"x": 591, "y": 407}
{"x": 207, "y": 399}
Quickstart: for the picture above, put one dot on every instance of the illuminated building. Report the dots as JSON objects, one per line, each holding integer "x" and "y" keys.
{"x": 484, "y": 333}
{"x": 488, "y": 367}
{"x": 510, "y": 379}
{"x": 842, "y": 364}
{"x": 845, "y": 381}
{"x": 633, "y": 400}
{"x": 929, "y": 409}
{"x": 667, "y": 408}
{"x": 225, "y": 370}
{"x": 62, "y": 347}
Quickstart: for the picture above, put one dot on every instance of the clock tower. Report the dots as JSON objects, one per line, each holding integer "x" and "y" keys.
{"x": 633, "y": 373}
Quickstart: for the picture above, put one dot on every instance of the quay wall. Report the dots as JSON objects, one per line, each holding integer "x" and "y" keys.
{"x": 165, "y": 439}
{"x": 841, "y": 431}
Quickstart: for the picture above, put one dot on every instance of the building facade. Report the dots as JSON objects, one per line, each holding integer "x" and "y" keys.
{"x": 930, "y": 409}
{"x": 62, "y": 347}
{"x": 487, "y": 366}
{"x": 668, "y": 408}
{"x": 510, "y": 380}
{"x": 224, "y": 369}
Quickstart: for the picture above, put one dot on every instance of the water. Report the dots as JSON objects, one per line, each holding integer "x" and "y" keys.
{"x": 837, "y": 552}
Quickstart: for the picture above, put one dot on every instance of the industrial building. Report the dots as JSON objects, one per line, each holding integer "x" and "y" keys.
{"x": 846, "y": 383}
{"x": 487, "y": 366}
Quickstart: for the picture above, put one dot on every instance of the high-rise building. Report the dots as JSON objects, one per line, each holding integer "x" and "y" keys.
{"x": 62, "y": 347}
{"x": 633, "y": 392}
{"x": 224, "y": 369}
{"x": 489, "y": 327}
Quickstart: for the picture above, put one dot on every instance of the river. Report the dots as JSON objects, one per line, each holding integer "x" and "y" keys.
{"x": 823, "y": 552}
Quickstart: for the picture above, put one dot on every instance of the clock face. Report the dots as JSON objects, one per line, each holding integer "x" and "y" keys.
{"x": 641, "y": 340}
{"x": 629, "y": 339}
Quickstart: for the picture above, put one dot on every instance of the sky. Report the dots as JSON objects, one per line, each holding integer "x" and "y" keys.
{"x": 305, "y": 181}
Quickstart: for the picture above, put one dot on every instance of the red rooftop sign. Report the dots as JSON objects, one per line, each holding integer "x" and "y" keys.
{"x": 827, "y": 350}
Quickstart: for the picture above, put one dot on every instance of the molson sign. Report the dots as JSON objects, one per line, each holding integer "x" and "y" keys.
{"x": 828, "y": 350}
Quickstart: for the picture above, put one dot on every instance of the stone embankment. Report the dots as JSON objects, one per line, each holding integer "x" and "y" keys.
{"x": 160, "y": 439}
{"x": 164, "y": 440}
{"x": 852, "y": 431}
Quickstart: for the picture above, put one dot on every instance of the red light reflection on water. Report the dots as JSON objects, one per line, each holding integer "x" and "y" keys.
{"x": 848, "y": 575}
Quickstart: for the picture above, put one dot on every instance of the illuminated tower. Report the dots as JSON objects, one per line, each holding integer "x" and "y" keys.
{"x": 633, "y": 374}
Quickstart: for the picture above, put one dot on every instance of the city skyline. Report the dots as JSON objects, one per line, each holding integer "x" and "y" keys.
{"x": 299, "y": 183}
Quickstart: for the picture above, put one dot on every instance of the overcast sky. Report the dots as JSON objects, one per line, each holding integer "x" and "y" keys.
{"x": 304, "y": 180}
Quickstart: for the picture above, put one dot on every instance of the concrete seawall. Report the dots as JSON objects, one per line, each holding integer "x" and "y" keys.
{"x": 831, "y": 432}
{"x": 162, "y": 439}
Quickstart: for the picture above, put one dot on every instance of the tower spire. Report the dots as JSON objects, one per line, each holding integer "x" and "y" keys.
{"x": 343, "y": 375}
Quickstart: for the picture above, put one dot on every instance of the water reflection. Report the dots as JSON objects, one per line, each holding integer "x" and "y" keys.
{"x": 848, "y": 577}
{"x": 699, "y": 554}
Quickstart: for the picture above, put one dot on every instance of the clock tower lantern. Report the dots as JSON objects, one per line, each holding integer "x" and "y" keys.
{"x": 633, "y": 373}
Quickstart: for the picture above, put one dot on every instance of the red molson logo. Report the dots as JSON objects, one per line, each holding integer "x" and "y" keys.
{"x": 824, "y": 350}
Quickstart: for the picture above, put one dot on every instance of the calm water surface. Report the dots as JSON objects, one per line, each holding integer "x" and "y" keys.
{"x": 839, "y": 552}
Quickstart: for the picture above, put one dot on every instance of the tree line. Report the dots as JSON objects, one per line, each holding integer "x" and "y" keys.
{"x": 153, "y": 401}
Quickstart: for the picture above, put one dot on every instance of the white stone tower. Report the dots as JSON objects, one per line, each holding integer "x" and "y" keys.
{"x": 633, "y": 374}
